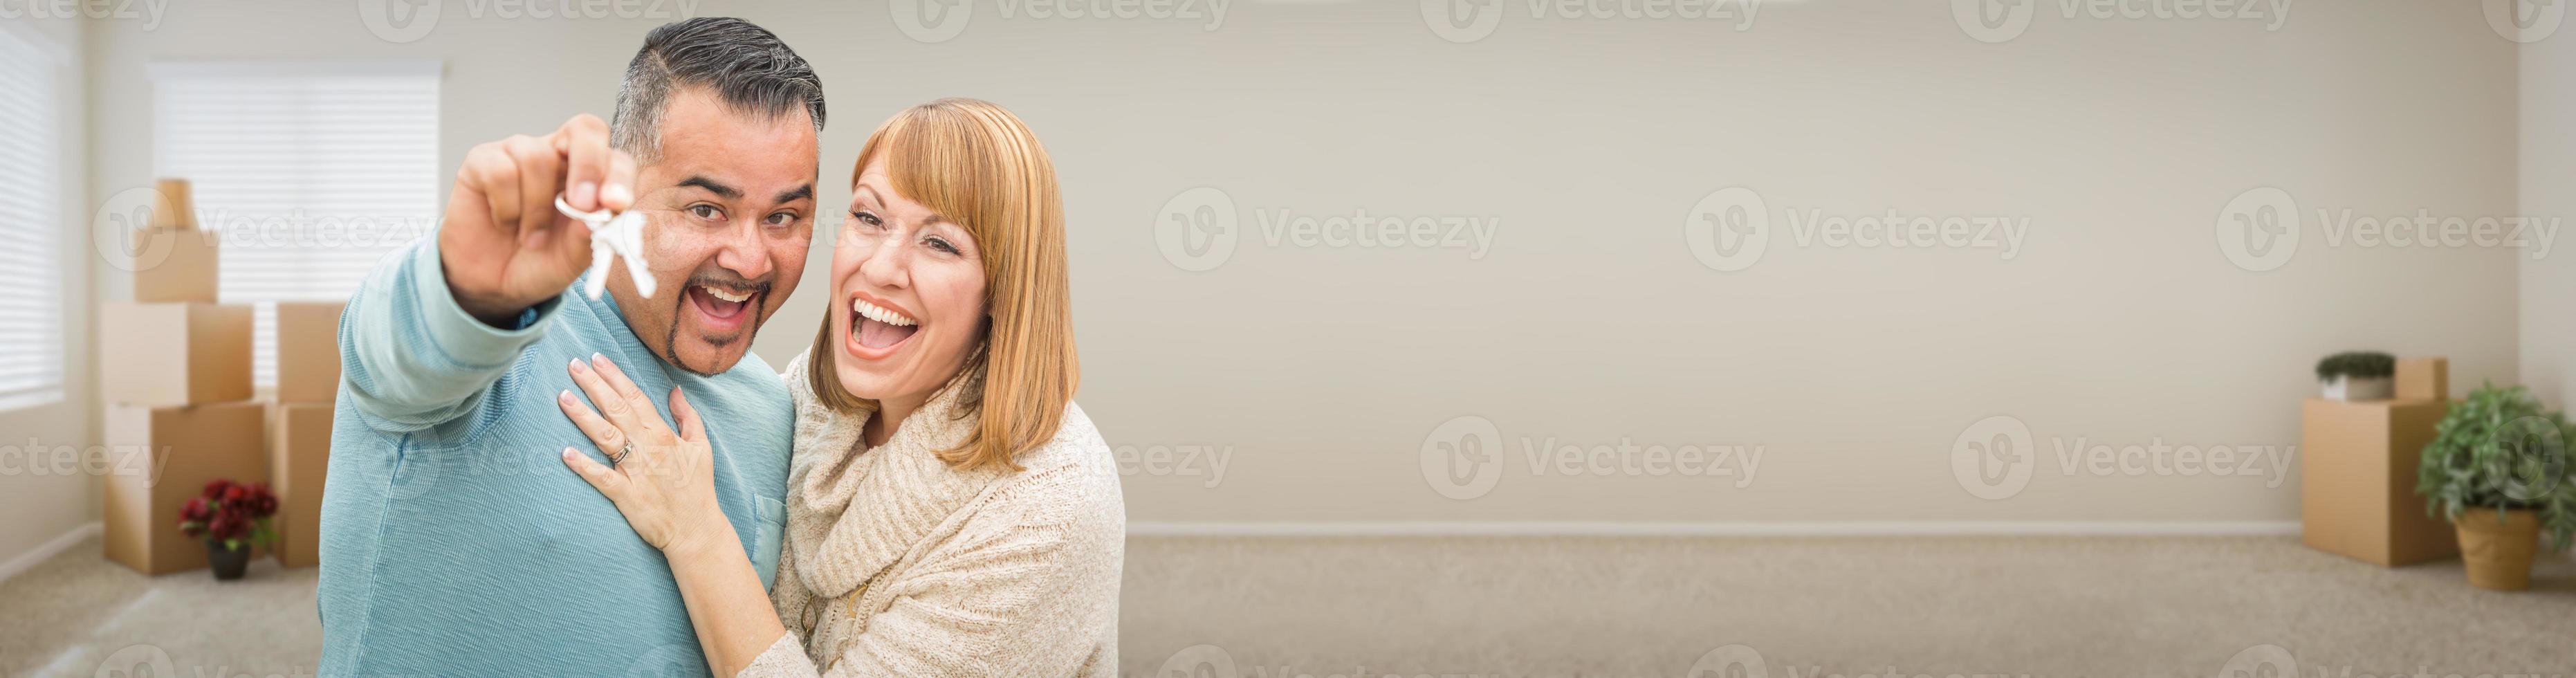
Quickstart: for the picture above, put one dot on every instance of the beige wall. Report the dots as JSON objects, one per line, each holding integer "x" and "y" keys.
{"x": 1587, "y": 144}
{"x": 39, "y": 501}
{"x": 2548, "y": 155}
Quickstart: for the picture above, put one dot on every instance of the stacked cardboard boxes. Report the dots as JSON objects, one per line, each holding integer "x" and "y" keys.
{"x": 308, "y": 380}
{"x": 2357, "y": 485}
{"x": 174, "y": 370}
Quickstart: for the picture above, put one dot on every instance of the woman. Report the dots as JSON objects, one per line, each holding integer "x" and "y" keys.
{"x": 949, "y": 510}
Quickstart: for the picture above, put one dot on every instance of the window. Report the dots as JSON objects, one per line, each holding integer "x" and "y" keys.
{"x": 31, "y": 204}
{"x": 309, "y": 173}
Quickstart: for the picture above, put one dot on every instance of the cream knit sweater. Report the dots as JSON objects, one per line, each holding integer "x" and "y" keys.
{"x": 896, "y": 564}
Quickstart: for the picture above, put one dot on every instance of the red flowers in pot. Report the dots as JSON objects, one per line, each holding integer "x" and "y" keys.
{"x": 231, "y": 517}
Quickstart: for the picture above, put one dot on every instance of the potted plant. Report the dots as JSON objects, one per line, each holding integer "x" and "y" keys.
{"x": 2497, "y": 469}
{"x": 2357, "y": 375}
{"x": 232, "y": 517}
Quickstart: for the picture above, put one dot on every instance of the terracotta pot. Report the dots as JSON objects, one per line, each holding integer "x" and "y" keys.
{"x": 2498, "y": 552}
{"x": 229, "y": 563}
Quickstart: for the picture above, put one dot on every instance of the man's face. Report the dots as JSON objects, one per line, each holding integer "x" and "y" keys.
{"x": 729, "y": 208}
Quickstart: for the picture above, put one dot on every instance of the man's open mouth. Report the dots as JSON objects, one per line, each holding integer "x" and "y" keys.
{"x": 877, "y": 327}
{"x": 724, "y": 309}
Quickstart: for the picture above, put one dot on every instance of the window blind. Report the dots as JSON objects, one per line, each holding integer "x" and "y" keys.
{"x": 309, "y": 173}
{"x": 31, "y": 221}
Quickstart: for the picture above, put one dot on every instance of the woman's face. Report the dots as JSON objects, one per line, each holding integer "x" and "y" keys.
{"x": 910, "y": 302}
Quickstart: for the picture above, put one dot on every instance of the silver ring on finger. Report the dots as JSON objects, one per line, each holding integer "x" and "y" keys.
{"x": 620, "y": 456}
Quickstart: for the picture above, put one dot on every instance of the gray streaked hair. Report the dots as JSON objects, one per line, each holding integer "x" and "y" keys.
{"x": 744, "y": 65}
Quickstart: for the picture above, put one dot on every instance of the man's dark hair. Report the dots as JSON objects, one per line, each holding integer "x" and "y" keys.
{"x": 746, "y": 66}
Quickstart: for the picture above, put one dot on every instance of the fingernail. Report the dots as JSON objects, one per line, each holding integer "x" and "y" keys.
{"x": 570, "y": 455}
{"x": 578, "y": 368}
{"x": 616, "y": 193}
{"x": 565, "y": 396}
{"x": 585, "y": 196}
{"x": 599, "y": 360}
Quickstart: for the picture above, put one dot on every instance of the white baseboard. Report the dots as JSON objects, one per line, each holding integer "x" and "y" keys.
{"x": 1709, "y": 529}
{"x": 48, "y": 549}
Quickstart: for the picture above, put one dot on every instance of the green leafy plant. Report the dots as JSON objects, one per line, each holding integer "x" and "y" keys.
{"x": 2356, "y": 364}
{"x": 2500, "y": 449}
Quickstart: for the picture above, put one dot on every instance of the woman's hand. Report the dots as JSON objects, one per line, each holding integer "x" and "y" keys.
{"x": 661, "y": 481}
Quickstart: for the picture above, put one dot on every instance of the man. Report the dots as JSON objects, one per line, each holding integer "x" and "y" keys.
{"x": 454, "y": 542}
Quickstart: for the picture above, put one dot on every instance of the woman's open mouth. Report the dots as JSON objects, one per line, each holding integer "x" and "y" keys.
{"x": 877, "y": 330}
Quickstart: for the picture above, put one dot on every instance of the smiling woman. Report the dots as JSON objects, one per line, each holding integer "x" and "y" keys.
{"x": 941, "y": 470}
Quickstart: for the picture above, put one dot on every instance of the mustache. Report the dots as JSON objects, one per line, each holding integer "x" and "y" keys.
{"x": 729, "y": 282}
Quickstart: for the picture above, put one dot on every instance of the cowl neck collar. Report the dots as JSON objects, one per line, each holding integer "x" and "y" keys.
{"x": 853, "y": 511}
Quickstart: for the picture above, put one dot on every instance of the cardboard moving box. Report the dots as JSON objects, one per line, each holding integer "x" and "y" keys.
{"x": 174, "y": 261}
{"x": 2423, "y": 379}
{"x": 299, "y": 456}
{"x": 2357, "y": 482}
{"x": 157, "y": 355}
{"x": 308, "y": 351}
{"x": 159, "y": 457}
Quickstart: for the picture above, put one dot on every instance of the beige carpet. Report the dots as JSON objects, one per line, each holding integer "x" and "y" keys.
{"x": 1573, "y": 607}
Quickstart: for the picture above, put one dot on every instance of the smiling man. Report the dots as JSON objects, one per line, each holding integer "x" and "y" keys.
{"x": 452, "y": 541}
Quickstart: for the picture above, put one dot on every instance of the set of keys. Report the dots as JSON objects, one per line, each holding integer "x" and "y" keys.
{"x": 613, "y": 236}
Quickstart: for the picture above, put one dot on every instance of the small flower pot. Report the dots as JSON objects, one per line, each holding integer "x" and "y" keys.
{"x": 2497, "y": 551}
{"x": 2353, "y": 389}
{"x": 229, "y": 563}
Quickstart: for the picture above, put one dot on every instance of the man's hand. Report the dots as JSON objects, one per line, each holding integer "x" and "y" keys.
{"x": 503, "y": 244}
